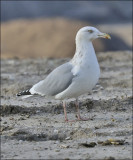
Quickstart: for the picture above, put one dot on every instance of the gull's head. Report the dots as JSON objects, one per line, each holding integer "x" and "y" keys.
{"x": 89, "y": 33}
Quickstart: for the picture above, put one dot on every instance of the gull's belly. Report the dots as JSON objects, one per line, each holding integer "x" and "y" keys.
{"x": 87, "y": 81}
{"x": 82, "y": 83}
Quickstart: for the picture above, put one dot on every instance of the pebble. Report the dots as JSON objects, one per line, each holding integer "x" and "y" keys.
{"x": 88, "y": 145}
{"x": 56, "y": 131}
{"x": 27, "y": 116}
{"x": 110, "y": 158}
{"x": 67, "y": 138}
{"x": 64, "y": 146}
{"x": 57, "y": 150}
{"x": 11, "y": 118}
{"x": 20, "y": 141}
{"x": 21, "y": 118}
{"x": 5, "y": 122}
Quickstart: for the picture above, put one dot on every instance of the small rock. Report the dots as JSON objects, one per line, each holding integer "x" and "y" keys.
{"x": 57, "y": 150}
{"x": 38, "y": 111}
{"x": 49, "y": 102}
{"x": 5, "y": 122}
{"x": 27, "y": 116}
{"x": 20, "y": 141}
{"x": 2, "y": 128}
{"x": 99, "y": 142}
{"x": 109, "y": 158}
{"x": 101, "y": 88}
{"x": 56, "y": 131}
{"x": 88, "y": 145}
{"x": 67, "y": 138}
{"x": 11, "y": 118}
{"x": 64, "y": 146}
{"x": 21, "y": 118}
{"x": 113, "y": 119}
{"x": 53, "y": 137}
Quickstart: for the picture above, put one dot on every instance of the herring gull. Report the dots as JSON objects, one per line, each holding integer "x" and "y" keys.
{"x": 76, "y": 77}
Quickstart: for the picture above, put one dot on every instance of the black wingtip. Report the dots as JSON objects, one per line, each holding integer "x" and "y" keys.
{"x": 26, "y": 92}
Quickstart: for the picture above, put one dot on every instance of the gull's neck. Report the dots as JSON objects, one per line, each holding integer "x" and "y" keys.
{"x": 85, "y": 53}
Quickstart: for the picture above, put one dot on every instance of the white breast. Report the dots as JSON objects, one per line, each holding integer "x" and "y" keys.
{"x": 86, "y": 73}
{"x": 87, "y": 77}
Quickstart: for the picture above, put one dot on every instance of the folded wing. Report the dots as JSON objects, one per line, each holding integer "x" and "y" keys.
{"x": 57, "y": 81}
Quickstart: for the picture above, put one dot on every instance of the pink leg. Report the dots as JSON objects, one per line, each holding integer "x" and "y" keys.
{"x": 78, "y": 113}
{"x": 65, "y": 113}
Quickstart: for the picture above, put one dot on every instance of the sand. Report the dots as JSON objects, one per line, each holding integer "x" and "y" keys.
{"x": 34, "y": 128}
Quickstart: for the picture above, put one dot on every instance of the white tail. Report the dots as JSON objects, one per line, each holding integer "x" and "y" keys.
{"x": 26, "y": 96}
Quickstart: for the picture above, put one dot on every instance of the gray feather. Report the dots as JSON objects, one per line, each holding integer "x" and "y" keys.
{"x": 57, "y": 81}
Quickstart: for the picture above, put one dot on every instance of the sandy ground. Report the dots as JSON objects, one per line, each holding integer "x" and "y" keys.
{"x": 34, "y": 128}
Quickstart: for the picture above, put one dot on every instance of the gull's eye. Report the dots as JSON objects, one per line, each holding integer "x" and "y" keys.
{"x": 90, "y": 31}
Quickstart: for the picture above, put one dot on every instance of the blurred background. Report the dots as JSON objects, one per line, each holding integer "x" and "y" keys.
{"x": 33, "y": 29}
